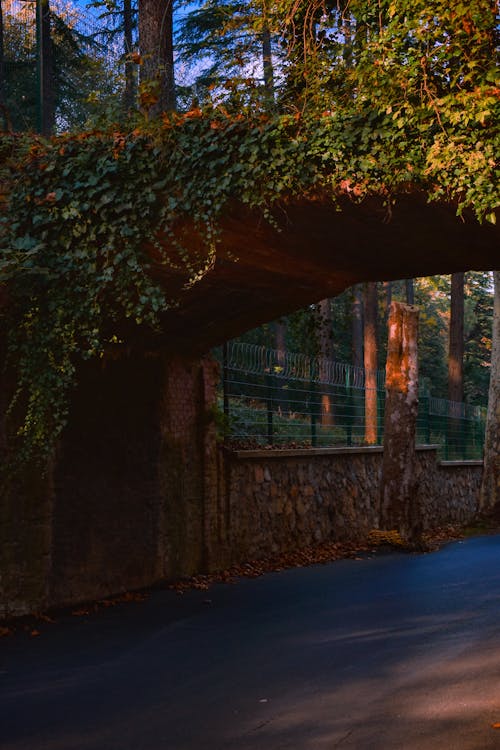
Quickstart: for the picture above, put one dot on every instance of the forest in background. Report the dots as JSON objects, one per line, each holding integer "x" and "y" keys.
{"x": 334, "y": 329}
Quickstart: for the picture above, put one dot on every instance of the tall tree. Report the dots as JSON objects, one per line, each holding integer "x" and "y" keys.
{"x": 478, "y": 323}
{"x": 2, "y": 67}
{"x": 410, "y": 291}
{"x": 280, "y": 339}
{"x": 229, "y": 44}
{"x": 370, "y": 362}
{"x": 388, "y": 299}
{"x": 267, "y": 55}
{"x": 5, "y": 120}
{"x": 456, "y": 346}
{"x": 357, "y": 325}
{"x": 398, "y": 496}
{"x": 128, "y": 46}
{"x": 45, "y": 68}
{"x": 156, "y": 44}
{"x": 325, "y": 351}
{"x": 490, "y": 487}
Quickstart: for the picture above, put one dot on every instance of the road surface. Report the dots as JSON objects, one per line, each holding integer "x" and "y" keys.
{"x": 396, "y": 652}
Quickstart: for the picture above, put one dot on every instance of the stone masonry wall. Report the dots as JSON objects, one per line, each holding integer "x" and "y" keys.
{"x": 280, "y": 500}
{"x": 140, "y": 493}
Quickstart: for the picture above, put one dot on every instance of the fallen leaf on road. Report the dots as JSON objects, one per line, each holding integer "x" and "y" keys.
{"x": 496, "y": 725}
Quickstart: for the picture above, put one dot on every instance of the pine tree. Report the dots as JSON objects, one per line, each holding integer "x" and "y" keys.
{"x": 490, "y": 488}
{"x": 157, "y": 53}
{"x": 370, "y": 362}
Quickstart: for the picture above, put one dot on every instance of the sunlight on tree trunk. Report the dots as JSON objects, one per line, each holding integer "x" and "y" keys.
{"x": 398, "y": 470}
{"x": 490, "y": 488}
{"x": 325, "y": 349}
{"x": 370, "y": 361}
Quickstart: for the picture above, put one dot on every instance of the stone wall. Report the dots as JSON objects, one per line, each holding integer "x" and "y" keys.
{"x": 140, "y": 493}
{"x": 281, "y": 499}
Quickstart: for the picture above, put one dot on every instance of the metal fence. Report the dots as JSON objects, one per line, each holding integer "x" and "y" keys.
{"x": 56, "y": 56}
{"x": 285, "y": 399}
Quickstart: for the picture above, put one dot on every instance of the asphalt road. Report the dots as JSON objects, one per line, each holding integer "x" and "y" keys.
{"x": 397, "y": 652}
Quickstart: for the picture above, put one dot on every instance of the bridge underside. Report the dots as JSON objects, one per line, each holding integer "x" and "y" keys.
{"x": 316, "y": 250}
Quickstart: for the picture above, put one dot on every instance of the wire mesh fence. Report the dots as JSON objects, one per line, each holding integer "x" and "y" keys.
{"x": 57, "y": 59}
{"x": 284, "y": 399}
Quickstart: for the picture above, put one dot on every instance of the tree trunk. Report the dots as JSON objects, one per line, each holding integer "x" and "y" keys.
{"x": 45, "y": 69}
{"x": 490, "y": 488}
{"x": 2, "y": 64}
{"x": 388, "y": 298}
{"x": 370, "y": 362}
{"x": 267, "y": 58}
{"x": 456, "y": 347}
{"x": 280, "y": 346}
{"x": 325, "y": 350}
{"x": 5, "y": 123}
{"x": 280, "y": 340}
{"x": 410, "y": 291}
{"x": 398, "y": 469}
{"x": 454, "y": 428}
{"x": 357, "y": 326}
{"x": 129, "y": 93}
{"x": 157, "y": 53}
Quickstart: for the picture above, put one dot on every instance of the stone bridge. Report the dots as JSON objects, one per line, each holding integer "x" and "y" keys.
{"x": 137, "y": 493}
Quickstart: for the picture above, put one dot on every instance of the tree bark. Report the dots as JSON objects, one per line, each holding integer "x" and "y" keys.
{"x": 370, "y": 362}
{"x": 410, "y": 291}
{"x": 397, "y": 509}
{"x": 280, "y": 340}
{"x": 157, "y": 53}
{"x": 456, "y": 345}
{"x": 325, "y": 348}
{"x": 5, "y": 123}
{"x": 490, "y": 487}
{"x": 129, "y": 93}
{"x": 267, "y": 58}
{"x": 357, "y": 326}
{"x": 388, "y": 298}
{"x": 280, "y": 346}
{"x": 2, "y": 63}
{"x": 45, "y": 70}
